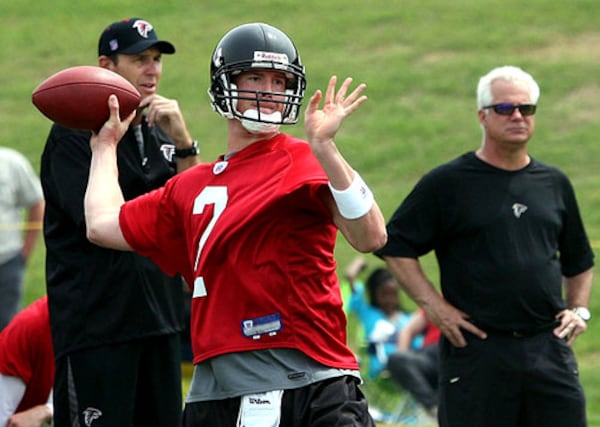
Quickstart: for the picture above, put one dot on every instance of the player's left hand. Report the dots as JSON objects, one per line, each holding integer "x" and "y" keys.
{"x": 571, "y": 325}
{"x": 166, "y": 113}
{"x": 322, "y": 125}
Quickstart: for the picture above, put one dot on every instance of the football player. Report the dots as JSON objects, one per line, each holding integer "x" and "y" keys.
{"x": 254, "y": 234}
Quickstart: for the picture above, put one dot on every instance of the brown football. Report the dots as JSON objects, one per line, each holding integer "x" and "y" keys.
{"x": 77, "y": 97}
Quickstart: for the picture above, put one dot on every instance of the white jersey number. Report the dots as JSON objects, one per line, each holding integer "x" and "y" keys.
{"x": 218, "y": 197}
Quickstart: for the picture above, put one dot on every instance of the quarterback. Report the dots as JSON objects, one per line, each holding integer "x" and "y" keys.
{"x": 253, "y": 234}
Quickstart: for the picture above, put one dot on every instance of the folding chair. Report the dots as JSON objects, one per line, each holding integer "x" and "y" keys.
{"x": 388, "y": 403}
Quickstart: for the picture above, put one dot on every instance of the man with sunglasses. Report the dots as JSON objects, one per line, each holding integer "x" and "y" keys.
{"x": 507, "y": 234}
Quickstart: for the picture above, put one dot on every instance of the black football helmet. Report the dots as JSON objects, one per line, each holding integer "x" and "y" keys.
{"x": 255, "y": 46}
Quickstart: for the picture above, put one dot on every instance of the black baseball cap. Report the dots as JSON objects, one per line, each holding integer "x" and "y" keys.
{"x": 131, "y": 36}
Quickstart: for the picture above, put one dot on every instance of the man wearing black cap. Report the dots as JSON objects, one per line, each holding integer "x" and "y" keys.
{"x": 115, "y": 316}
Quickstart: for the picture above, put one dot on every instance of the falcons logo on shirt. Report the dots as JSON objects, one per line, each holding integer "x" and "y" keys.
{"x": 143, "y": 28}
{"x": 168, "y": 150}
{"x": 518, "y": 209}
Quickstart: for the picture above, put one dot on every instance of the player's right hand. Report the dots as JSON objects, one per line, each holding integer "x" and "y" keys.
{"x": 113, "y": 130}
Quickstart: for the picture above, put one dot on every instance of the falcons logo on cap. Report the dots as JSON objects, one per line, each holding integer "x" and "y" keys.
{"x": 143, "y": 28}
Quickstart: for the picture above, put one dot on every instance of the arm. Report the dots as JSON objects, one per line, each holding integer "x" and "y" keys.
{"x": 367, "y": 232}
{"x": 33, "y": 417}
{"x": 357, "y": 266}
{"x": 415, "y": 326}
{"x": 448, "y": 318}
{"x": 12, "y": 390}
{"x": 578, "y": 290}
{"x": 103, "y": 197}
{"x": 35, "y": 216}
{"x": 166, "y": 113}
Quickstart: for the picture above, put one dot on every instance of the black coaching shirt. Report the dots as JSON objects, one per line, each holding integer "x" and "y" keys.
{"x": 96, "y": 295}
{"x": 503, "y": 239}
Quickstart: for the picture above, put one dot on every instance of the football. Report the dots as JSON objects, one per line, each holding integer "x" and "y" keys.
{"x": 77, "y": 97}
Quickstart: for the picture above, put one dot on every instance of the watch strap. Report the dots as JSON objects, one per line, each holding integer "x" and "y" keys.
{"x": 582, "y": 312}
{"x": 182, "y": 153}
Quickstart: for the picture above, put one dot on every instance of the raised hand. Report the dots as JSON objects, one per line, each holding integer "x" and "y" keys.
{"x": 166, "y": 113}
{"x": 113, "y": 130}
{"x": 322, "y": 125}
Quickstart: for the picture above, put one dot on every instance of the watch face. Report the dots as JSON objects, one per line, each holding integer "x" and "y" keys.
{"x": 583, "y": 312}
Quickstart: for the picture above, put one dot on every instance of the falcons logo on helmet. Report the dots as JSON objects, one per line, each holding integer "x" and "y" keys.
{"x": 143, "y": 28}
{"x": 91, "y": 414}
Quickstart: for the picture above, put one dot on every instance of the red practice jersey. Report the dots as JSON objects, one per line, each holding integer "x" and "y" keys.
{"x": 26, "y": 352}
{"x": 255, "y": 240}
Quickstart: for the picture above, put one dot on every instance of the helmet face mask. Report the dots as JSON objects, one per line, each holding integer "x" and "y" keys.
{"x": 250, "y": 47}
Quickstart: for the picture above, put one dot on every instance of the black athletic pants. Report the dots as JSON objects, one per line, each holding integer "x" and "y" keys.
{"x": 132, "y": 384}
{"x": 508, "y": 381}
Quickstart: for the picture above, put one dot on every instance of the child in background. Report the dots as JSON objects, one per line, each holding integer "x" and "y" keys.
{"x": 381, "y": 314}
{"x": 418, "y": 371}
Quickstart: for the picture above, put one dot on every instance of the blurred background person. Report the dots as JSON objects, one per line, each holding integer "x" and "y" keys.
{"x": 21, "y": 213}
{"x": 378, "y": 307}
{"x": 27, "y": 368}
{"x": 417, "y": 371}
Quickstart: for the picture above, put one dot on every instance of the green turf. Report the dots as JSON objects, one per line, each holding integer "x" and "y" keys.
{"x": 420, "y": 60}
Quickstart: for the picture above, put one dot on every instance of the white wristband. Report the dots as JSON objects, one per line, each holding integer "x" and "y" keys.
{"x": 356, "y": 200}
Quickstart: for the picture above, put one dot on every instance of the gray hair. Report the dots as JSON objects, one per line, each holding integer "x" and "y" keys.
{"x": 508, "y": 73}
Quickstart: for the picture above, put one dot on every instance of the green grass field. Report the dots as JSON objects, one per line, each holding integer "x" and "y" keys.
{"x": 420, "y": 60}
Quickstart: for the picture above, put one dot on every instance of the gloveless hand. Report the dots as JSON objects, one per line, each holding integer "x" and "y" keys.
{"x": 322, "y": 125}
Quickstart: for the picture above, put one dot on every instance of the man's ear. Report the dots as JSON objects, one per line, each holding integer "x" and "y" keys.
{"x": 106, "y": 62}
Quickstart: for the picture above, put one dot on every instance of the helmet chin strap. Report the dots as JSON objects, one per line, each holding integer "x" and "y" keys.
{"x": 270, "y": 124}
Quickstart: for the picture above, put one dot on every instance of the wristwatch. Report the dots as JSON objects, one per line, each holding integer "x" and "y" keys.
{"x": 182, "y": 153}
{"x": 582, "y": 312}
